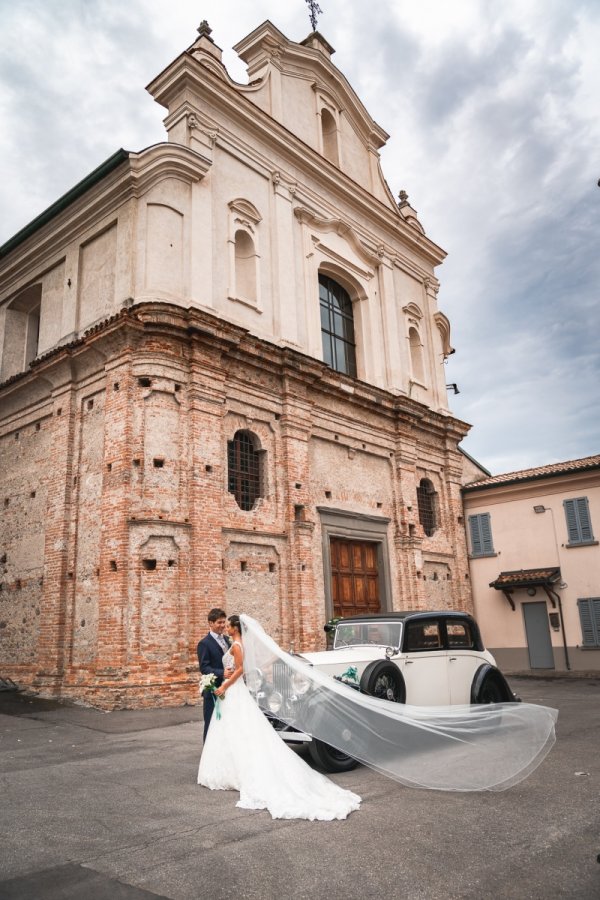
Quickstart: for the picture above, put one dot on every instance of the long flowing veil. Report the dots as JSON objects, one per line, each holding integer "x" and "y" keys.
{"x": 449, "y": 748}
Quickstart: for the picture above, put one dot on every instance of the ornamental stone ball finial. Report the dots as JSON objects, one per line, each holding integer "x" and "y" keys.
{"x": 402, "y": 196}
{"x": 204, "y": 29}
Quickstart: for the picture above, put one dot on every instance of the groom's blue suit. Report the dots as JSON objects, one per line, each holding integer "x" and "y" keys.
{"x": 210, "y": 658}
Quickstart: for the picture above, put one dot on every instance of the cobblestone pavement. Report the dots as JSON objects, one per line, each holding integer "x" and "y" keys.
{"x": 104, "y": 805}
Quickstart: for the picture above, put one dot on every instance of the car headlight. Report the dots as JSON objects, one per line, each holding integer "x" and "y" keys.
{"x": 301, "y": 683}
{"x": 254, "y": 680}
{"x": 275, "y": 701}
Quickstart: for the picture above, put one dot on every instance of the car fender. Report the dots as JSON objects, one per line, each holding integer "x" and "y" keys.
{"x": 488, "y": 671}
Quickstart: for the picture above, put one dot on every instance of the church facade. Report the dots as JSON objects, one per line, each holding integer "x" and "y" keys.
{"x": 222, "y": 383}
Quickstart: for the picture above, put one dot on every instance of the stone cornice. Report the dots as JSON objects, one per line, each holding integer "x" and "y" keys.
{"x": 235, "y": 342}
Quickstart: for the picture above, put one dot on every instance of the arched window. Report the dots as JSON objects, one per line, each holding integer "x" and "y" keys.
{"x": 244, "y": 469}
{"x": 337, "y": 326}
{"x": 329, "y": 137}
{"x": 416, "y": 355}
{"x": 245, "y": 266}
{"x": 426, "y": 499}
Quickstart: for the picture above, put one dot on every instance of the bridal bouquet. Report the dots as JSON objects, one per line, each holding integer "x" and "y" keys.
{"x": 208, "y": 684}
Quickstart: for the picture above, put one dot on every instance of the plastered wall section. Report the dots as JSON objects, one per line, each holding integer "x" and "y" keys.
{"x": 523, "y": 539}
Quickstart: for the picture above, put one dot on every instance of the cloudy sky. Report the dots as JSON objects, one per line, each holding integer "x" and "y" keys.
{"x": 493, "y": 111}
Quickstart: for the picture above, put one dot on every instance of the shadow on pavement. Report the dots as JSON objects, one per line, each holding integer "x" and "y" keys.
{"x": 119, "y": 721}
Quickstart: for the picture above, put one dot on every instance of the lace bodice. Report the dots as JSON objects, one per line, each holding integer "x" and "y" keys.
{"x": 228, "y": 660}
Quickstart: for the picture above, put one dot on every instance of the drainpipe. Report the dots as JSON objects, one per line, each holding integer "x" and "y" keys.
{"x": 562, "y": 626}
{"x": 542, "y": 509}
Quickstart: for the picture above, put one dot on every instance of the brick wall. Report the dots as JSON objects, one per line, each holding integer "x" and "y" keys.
{"x": 136, "y": 535}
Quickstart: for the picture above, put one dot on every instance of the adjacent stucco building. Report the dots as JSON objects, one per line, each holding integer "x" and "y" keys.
{"x": 222, "y": 383}
{"x": 535, "y": 565}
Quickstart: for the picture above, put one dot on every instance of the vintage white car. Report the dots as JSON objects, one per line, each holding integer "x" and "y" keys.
{"x": 420, "y": 658}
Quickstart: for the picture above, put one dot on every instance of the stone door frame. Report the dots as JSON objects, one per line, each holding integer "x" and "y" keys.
{"x": 352, "y": 526}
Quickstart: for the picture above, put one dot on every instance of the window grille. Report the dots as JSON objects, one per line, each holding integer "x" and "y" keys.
{"x": 337, "y": 326}
{"x": 426, "y": 497}
{"x": 243, "y": 470}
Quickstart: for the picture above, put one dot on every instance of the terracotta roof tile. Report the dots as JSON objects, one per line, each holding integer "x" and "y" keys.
{"x": 572, "y": 465}
{"x": 526, "y": 577}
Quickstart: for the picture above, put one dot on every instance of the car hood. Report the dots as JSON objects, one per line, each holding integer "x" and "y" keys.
{"x": 348, "y": 656}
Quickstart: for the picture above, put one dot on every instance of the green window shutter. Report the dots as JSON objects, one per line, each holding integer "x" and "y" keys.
{"x": 571, "y": 516}
{"x": 486, "y": 533}
{"x": 589, "y": 615}
{"x": 480, "y": 530}
{"x": 476, "y": 543}
{"x": 579, "y": 523}
{"x": 585, "y": 522}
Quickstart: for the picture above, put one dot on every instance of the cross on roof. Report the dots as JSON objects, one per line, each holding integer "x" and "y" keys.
{"x": 315, "y": 10}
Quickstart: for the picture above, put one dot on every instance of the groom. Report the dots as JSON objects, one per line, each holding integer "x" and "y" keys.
{"x": 210, "y": 657}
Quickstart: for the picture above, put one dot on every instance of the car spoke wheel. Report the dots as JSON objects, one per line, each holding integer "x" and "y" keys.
{"x": 386, "y": 688}
{"x": 383, "y": 679}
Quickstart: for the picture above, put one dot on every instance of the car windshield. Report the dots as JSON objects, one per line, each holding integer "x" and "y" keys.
{"x": 378, "y": 634}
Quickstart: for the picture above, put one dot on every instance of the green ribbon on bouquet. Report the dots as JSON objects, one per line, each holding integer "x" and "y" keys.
{"x": 351, "y": 674}
{"x": 218, "y": 702}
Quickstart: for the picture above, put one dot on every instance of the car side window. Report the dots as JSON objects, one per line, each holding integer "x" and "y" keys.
{"x": 460, "y": 635}
{"x": 423, "y": 636}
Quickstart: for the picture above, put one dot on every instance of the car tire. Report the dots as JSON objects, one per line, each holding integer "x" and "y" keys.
{"x": 490, "y": 686}
{"x": 384, "y": 680}
{"x": 330, "y": 759}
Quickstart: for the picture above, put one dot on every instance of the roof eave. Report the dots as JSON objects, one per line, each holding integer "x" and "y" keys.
{"x": 100, "y": 172}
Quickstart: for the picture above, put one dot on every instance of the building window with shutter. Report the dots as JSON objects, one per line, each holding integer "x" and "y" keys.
{"x": 337, "y": 326}
{"x": 589, "y": 615}
{"x": 480, "y": 531}
{"x": 244, "y": 469}
{"x": 579, "y": 523}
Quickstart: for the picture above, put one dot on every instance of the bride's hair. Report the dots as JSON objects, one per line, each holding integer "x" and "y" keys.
{"x": 234, "y": 621}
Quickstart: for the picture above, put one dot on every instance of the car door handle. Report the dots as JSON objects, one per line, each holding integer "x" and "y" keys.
{"x": 409, "y": 662}
{"x": 453, "y": 659}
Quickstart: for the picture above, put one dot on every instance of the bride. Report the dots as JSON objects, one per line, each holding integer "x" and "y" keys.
{"x": 243, "y": 752}
{"x": 450, "y": 748}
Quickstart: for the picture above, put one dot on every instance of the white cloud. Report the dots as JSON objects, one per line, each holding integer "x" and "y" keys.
{"x": 492, "y": 111}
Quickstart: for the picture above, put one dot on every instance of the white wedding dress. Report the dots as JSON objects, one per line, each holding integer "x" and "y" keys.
{"x": 243, "y": 752}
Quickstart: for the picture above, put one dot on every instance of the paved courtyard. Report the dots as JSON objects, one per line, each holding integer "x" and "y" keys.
{"x": 104, "y": 805}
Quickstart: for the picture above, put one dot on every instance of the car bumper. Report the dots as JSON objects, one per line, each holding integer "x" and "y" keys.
{"x": 286, "y": 732}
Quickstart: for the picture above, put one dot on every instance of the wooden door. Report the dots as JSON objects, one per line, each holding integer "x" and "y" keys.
{"x": 354, "y": 577}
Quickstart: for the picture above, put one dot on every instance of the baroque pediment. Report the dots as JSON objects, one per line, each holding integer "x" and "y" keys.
{"x": 340, "y": 227}
{"x": 266, "y": 46}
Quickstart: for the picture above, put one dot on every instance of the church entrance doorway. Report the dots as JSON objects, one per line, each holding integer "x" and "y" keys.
{"x": 354, "y": 577}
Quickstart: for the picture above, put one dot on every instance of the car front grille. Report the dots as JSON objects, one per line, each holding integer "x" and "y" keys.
{"x": 281, "y": 680}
